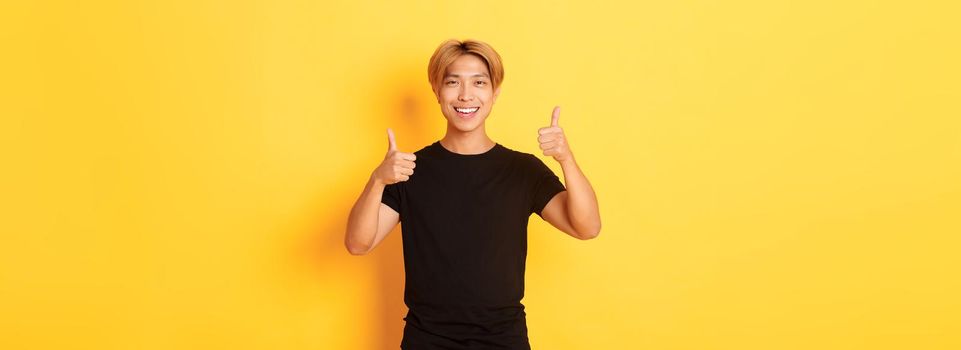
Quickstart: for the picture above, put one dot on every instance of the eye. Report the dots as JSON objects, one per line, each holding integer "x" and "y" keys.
{"x": 450, "y": 82}
{"x": 481, "y": 82}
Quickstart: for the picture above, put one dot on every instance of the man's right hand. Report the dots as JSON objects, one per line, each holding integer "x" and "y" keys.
{"x": 397, "y": 166}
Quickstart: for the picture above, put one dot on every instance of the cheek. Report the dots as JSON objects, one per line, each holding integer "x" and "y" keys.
{"x": 485, "y": 95}
{"x": 444, "y": 98}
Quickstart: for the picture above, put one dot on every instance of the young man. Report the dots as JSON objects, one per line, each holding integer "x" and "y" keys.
{"x": 465, "y": 211}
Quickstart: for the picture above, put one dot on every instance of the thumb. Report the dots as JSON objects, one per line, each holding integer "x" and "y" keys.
{"x": 391, "y": 143}
{"x": 556, "y": 115}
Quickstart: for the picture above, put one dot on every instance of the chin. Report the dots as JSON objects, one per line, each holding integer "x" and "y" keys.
{"x": 466, "y": 125}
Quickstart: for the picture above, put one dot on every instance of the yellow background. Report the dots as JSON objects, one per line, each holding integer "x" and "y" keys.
{"x": 771, "y": 175}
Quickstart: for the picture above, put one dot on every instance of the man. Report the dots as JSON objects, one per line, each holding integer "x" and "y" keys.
{"x": 465, "y": 211}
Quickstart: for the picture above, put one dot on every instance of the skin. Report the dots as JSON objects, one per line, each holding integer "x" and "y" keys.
{"x": 467, "y": 83}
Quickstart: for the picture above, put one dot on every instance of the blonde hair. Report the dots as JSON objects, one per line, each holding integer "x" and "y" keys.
{"x": 450, "y": 50}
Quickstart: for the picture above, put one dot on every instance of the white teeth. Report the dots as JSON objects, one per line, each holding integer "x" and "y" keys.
{"x": 466, "y": 110}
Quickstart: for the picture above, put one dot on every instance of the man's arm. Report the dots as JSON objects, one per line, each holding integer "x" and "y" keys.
{"x": 370, "y": 220}
{"x": 574, "y": 211}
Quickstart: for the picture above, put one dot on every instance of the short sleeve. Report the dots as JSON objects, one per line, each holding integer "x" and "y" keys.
{"x": 547, "y": 185}
{"x": 391, "y": 196}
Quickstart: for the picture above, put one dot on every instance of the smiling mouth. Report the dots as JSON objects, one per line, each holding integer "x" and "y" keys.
{"x": 466, "y": 112}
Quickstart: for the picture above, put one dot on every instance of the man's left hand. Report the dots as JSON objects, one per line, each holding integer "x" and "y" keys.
{"x": 552, "y": 139}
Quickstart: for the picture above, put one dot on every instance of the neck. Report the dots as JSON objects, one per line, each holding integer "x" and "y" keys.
{"x": 469, "y": 142}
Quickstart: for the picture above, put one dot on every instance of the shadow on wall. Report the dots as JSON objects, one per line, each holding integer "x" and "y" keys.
{"x": 412, "y": 112}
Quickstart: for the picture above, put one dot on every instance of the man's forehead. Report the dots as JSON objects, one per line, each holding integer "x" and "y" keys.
{"x": 466, "y": 74}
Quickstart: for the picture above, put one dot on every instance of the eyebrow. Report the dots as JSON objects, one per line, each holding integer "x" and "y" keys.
{"x": 458, "y": 76}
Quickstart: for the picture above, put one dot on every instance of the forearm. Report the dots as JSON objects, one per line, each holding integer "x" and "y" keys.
{"x": 362, "y": 222}
{"x": 582, "y": 206}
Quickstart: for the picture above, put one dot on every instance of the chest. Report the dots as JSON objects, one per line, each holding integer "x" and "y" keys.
{"x": 468, "y": 193}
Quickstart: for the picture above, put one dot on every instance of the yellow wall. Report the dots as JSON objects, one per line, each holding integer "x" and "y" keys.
{"x": 771, "y": 175}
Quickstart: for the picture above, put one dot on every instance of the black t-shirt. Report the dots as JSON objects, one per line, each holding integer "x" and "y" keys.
{"x": 464, "y": 227}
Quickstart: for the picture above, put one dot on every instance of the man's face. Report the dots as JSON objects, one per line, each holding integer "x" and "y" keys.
{"x": 466, "y": 94}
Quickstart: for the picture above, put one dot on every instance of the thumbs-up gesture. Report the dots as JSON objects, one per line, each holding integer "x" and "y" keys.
{"x": 397, "y": 166}
{"x": 552, "y": 139}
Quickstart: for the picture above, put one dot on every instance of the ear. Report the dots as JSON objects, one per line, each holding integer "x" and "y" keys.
{"x": 497, "y": 92}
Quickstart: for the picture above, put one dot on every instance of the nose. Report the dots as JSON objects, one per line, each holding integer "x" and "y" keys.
{"x": 465, "y": 94}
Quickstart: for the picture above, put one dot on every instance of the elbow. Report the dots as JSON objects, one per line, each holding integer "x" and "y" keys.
{"x": 357, "y": 251}
{"x": 356, "y": 248}
{"x": 590, "y": 233}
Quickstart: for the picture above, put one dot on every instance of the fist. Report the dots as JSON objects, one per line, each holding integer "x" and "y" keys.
{"x": 397, "y": 166}
{"x": 552, "y": 139}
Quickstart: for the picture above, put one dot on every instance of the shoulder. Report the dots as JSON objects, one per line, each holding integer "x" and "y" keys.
{"x": 528, "y": 160}
{"x": 514, "y": 154}
{"x": 425, "y": 152}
